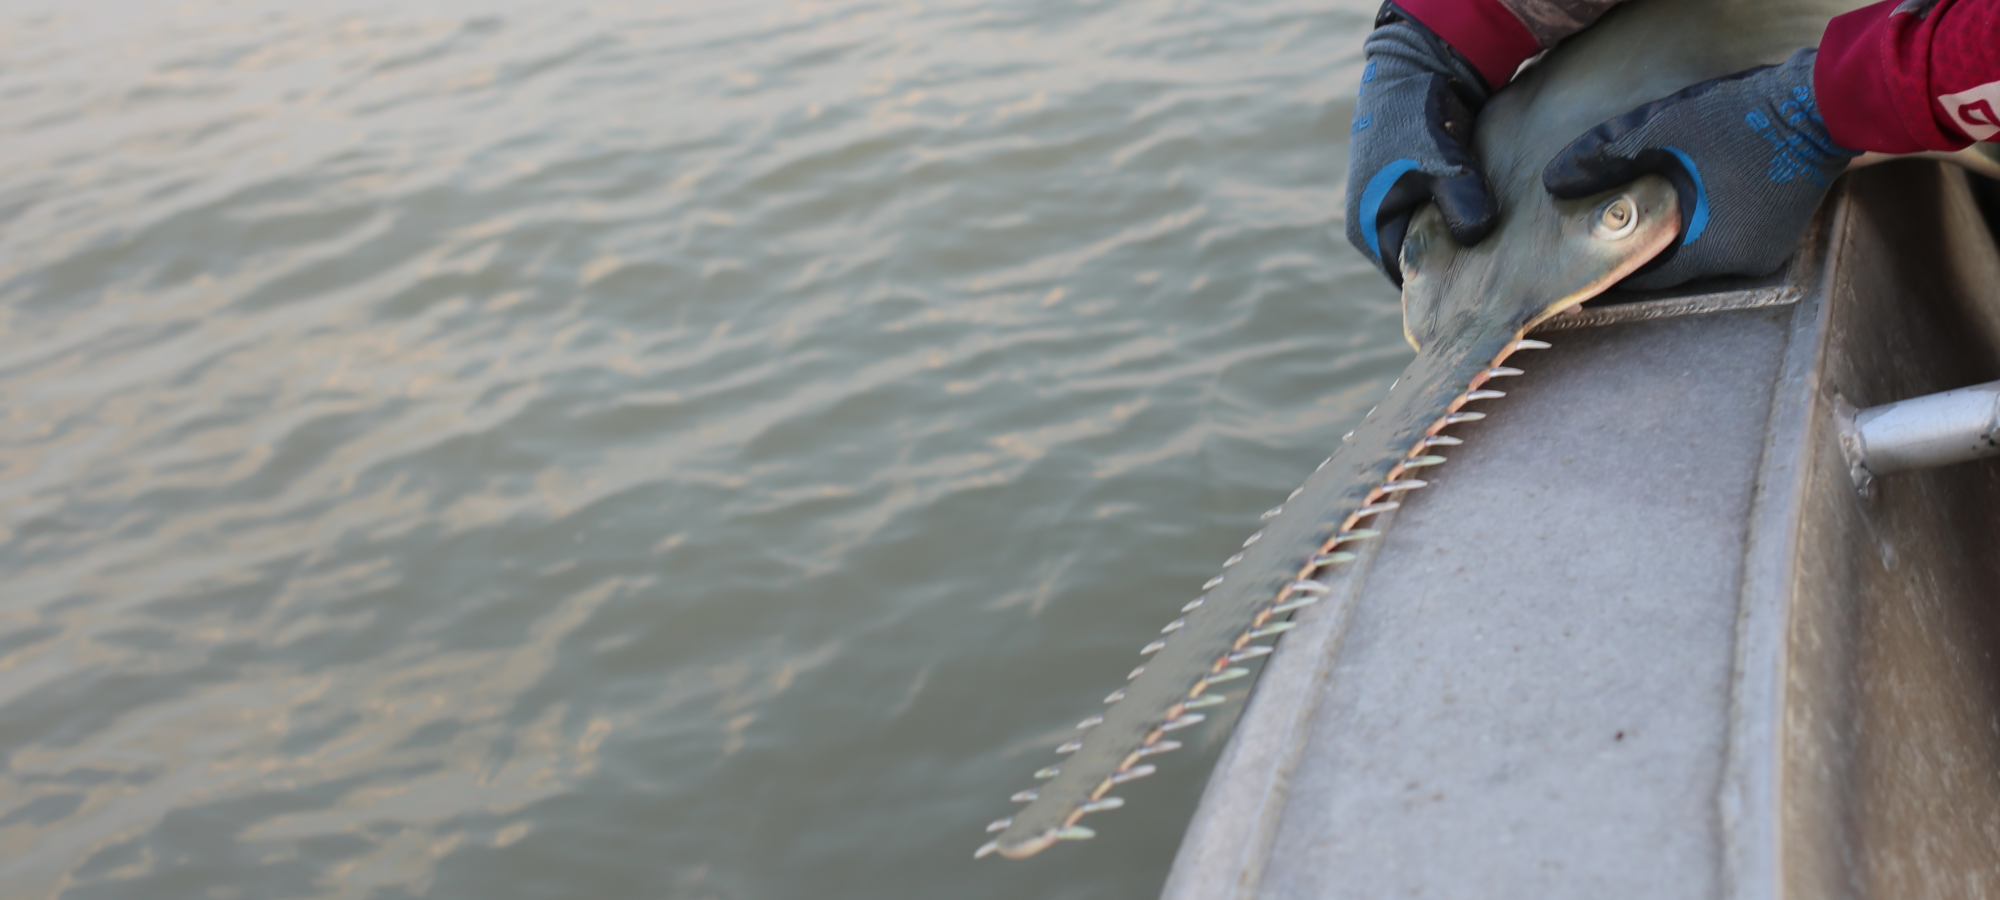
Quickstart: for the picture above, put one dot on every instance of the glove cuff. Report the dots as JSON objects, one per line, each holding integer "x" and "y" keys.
{"x": 1482, "y": 32}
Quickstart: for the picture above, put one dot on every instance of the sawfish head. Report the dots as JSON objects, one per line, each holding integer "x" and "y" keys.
{"x": 1550, "y": 261}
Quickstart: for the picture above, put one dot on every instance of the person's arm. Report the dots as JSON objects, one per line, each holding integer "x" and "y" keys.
{"x": 1753, "y": 153}
{"x": 1901, "y": 77}
{"x": 1431, "y": 65}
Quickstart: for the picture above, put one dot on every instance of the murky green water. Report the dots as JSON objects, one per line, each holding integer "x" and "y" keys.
{"x": 698, "y": 450}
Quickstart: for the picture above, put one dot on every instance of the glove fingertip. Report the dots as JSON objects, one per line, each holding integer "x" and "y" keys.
{"x": 1467, "y": 204}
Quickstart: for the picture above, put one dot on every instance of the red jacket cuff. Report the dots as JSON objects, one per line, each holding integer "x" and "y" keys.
{"x": 1868, "y": 58}
{"x": 1482, "y": 31}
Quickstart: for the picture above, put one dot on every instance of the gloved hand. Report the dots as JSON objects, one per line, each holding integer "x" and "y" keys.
{"x": 1748, "y": 153}
{"x": 1412, "y": 142}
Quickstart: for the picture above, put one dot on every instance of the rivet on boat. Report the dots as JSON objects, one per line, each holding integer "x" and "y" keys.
{"x": 1531, "y": 344}
{"x": 1211, "y": 583}
{"x": 1334, "y": 558}
{"x": 1074, "y": 833}
{"x": 1027, "y": 796}
{"x": 1273, "y": 628}
{"x": 999, "y": 824}
{"x": 1458, "y": 417}
{"x": 1230, "y": 674}
{"x": 1250, "y": 652}
{"x": 1183, "y": 722}
{"x": 1174, "y": 626}
{"x": 1091, "y": 722}
{"x": 1152, "y": 648}
{"x": 1047, "y": 772}
{"x": 1271, "y": 513}
{"x": 1138, "y": 771}
{"x": 1193, "y": 605}
{"x": 1407, "y": 484}
{"x": 1103, "y": 804}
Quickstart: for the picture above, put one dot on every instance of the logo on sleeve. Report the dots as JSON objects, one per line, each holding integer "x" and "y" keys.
{"x": 1976, "y": 112}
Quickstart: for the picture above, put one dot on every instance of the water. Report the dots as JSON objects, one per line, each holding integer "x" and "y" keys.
{"x": 701, "y": 450}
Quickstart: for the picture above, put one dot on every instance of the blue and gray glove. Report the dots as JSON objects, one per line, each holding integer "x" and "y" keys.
{"x": 1412, "y": 142}
{"x": 1748, "y": 154}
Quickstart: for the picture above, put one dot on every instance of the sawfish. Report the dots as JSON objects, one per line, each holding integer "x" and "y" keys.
{"x": 1467, "y": 311}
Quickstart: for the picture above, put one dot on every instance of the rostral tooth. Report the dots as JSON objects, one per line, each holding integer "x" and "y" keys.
{"x": 1252, "y": 539}
{"x": 1457, "y": 417}
{"x": 1153, "y": 648}
{"x": 1028, "y": 796}
{"x": 1233, "y": 560}
{"x": 1484, "y": 395}
{"x": 1204, "y": 701}
{"x": 1250, "y": 652}
{"x": 1091, "y": 722}
{"x": 1139, "y": 771}
{"x": 1102, "y": 804}
{"x": 1442, "y": 440}
{"x": 1159, "y": 747}
{"x": 1271, "y": 513}
{"x": 1418, "y": 462}
{"x": 1212, "y": 582}
{"x": 1296, "y": 601}
{"x": 1193, "y": 605}
{"x": 1407, "y": 484}
{"x": 1502, "y": 371}
{"x": 1229, "y": 674}
{"x": 1273, "y": 628}
{"x": 1530, "y": 344}
{"x": 999, "y": 824}
{"x": 1328, "y": 559}
{"x": 1114, "y": 696}
{"x": 1174, "y": 626}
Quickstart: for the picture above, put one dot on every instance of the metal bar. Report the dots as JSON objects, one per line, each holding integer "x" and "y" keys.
{"x": 1923, "y": 432}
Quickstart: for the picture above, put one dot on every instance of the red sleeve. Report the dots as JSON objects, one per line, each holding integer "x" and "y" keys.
{"x": 1482, "y": 31}
{"x": 1908, "y": 75}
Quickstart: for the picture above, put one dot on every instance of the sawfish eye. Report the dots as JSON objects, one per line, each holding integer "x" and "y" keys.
{"x": 1616, "y": 218}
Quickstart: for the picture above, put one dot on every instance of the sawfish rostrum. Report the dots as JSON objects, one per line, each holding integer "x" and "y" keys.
{"x": 1466, "y": 310}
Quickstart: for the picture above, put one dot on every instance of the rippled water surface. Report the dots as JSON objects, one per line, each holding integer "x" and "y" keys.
{"x": 684, "y": 450}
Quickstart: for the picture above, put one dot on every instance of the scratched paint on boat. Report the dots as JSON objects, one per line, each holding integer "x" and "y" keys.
{"x": 591, "y": 451}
